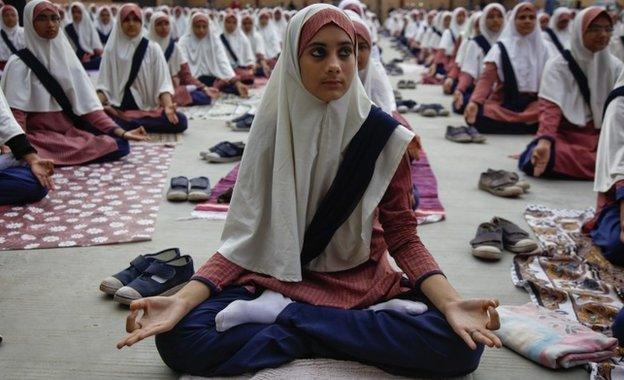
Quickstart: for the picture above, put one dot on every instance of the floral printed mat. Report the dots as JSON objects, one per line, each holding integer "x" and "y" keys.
{"x": 108, "y": 203}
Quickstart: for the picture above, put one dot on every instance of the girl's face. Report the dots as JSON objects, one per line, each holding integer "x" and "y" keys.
{"x": 264, "y": 20}
{"x": 105, "y": 16}
{"x": 247, "y": 25}
{"x": 494, "y": 21}
{"x": 525, "y": 21}
{"x": 131, "y": 25}
{"x": 544, "y": 22}
{"x": 76, "y": 14}
{"x": 363, "y": 51}
{"x": 9, "y": 18}
{"x": 598, "y": 34}
{"x": 162, "y": 27}
{"x": 461, "y": 18}
{"x": 47, "y": 24}
{"x": 447, "y": 21}
{"x": 230, "y": 24}
{"x": 200, "y": 28}
{"x": 328, "y": 64}
{"x": 563, "y": 22}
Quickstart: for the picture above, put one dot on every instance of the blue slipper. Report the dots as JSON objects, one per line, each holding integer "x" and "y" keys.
{"x": 159, "y": 279}
{"x": 112, "y": 284}
{"x": 225, "y": 152}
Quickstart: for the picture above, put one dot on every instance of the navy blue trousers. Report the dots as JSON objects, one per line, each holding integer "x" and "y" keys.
{"x": 123, "y": 149}
{"x": 486, "y": 125}
{"x": 606, "y": 233}
{"x": 93, "y": 64}
{"x": 18, "y": 185}
{"x": 155, "y": 124}
{"x": 423, "y": 345}
{"x": 618, "y": 327}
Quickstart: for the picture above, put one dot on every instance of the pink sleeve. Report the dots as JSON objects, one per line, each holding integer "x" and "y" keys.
{"x": 186, "y": 78}
{"x": 454, "y": 71}
{"x": 549, "y": 118}
{"x": 440, "y": 58}
{"x": 101, "y": 121}
{"x": 399, "y": 224}
{"x": 484, "y": 85}
{"x": 20, "y": 116}
{"x": 464, "y": 81}
{"x": 218, "y": 272}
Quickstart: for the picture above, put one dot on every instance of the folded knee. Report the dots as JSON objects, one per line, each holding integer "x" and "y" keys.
{"x": 183, "y": 349}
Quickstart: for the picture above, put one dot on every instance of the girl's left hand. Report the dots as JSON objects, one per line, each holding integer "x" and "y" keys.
{"x": 474, "y": 320}
{"x": 170, "y": 112}
{"x": 137, "y": 134}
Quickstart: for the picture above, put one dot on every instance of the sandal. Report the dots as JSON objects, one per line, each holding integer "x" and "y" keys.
{"x": 224, "y": 152}
{"x": 499, "y": 183}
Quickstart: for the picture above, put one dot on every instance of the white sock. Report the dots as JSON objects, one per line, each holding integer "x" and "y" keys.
{"x": 402, "y": 306}
{"x": 263, "y": 309}
{"x": 191, "y": 87}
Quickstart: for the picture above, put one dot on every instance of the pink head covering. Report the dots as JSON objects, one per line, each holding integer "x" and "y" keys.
{"x": 321, "y": 19}
{"x": 362, "y": 31}
{"x": 199, "y": 16}
{"x": 591, "y": 15}
{"x": 44, "y": 6}
{"x": 128, "y": 9}
{"x": 8, "y": 8}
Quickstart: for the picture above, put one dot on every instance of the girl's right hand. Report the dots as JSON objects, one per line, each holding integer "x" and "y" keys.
{"x": 160, "y": 314}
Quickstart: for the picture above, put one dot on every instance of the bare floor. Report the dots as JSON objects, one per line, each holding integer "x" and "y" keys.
{"x": 57, "y": 325}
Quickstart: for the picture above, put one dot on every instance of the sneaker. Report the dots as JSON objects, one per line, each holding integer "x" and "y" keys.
{"x": 178, "y": 190}
{"x": 475, "y": 135}
{"x": 515, "y": 239}
{"x": 488, "y": 242}
{"x": 110, "y": 285}
{"x": 244, "y": 116}
{"x": 159, "y": 279}
{"x": 426, "y": 110}
{"x": 200, "y": 190}
{"x": 242, "y": 125}
{"x": 497, "y": 182}
{"x": 224, "y": 152}
{"x": 457, "y": 134}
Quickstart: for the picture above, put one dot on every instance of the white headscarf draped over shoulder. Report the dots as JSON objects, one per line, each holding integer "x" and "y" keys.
{"x": 104, "y": 28}
{"x": 489, "y": 35}
{"x": 205, "y": 56}
{"x": 239, "y": 43}
{"x": 472, "y": 61}
{"x": 153, "y": 78}
{"x": 528, "y": 54}
{"x": 88, "y": 37}
{"x": 290, "y": 161}
{"x": 470, "y": 33}
{"x": 601, "y": 69}
{"x": 15, "y": 34}
{"x": 564, "y": 35}
{"x": 23, "y": 89}
{"x": 272, "y": 42}
{"x": 610, "y": 155}
{"x": 177, "y": 59}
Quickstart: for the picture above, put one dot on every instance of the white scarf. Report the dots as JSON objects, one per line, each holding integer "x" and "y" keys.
{"x": 153, "y": 78}
{"x": 206, "y": 56}
{"x": 610, "y": 155}
{"x": 181, "y": 24}
{"x": 256, "y": 40}
{"x": 469, "y": 34}
{"x": 472, "y": 63}
{"x": 88, "y": 37}
{"x": 294, "y": 132}
{"x": 9, "y": 127}
{"x": 564, "y": 35}
{"x": 271, "y": 40}
{"x": 15, "y": 35}
{"x": 177, "y": 59}
{"x": 601, "y": 69}
{"x": 240, "y": 46}
{"x": 105, "y": 29}
{"x": 23, "y": 89}
{"x": 528, "y": 54}
{"x": 280, "y": 26}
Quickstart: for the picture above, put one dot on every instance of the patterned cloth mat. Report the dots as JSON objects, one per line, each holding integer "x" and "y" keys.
{"x": 430, "y": 209}
{"x": 108, "y": 203}
{"x": 165, "y": 138}
{"x": 570, "y": 275}
{"x": 227, "y": 107}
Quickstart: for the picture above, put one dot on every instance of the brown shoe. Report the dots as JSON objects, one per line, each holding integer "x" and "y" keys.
{"x": 500, "y": 183}
{"x": 515, "y": 239}
{"x": 488, "y": 243}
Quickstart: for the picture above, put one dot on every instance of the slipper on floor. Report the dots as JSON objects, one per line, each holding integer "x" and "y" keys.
{"x": 457, "y": 134}
{"x": 410, "y": 84}
{"x": 178, "y": 190}
{"x": 224, "y": 152}
{"x": 199, "y": 190}
{"x": 244, "y": 116}
{"x": 402, "y": 85}
{"x": 242, "y": 125}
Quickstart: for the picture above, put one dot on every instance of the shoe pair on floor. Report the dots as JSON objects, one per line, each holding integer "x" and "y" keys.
{"x": 195, "y": 190}
{"x": 498, "y": 234}
{"x": 224, "y": 151}
{"x": 405, "y": 106}
{"x": 464, "y": 135}
{"x": 406, "y": 85}
{"x": 503, "y": 183}
{"x": 157, "y": 274}
{"x": 241, "y": 123}
{"x": 432, "y": 110}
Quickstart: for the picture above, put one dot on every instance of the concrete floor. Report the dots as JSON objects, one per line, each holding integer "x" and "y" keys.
{"x": 57, "y": 325}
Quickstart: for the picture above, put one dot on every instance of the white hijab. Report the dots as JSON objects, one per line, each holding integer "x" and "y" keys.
{"x": 15, "y": 34}
{"x": 564, "y": 35}
{"x": 180, "y": 22}
{"x": 240, "y": 45}
{"x": 610, "y": 155}
{"x": 23, "y": 89}
{"x": 153, "y": 78}
{"x": 177, "y": 59}
{"x": 206, "y": 56}
{"x": 88, "y": 37}
{"x": 104, "y": 28}
{"x": 272, "y": 42}
{"x": 290, "y": 161}
{"x": 280, "y": 26}
{"x": 438, "y": 24}
{"x": 617, "y": 45}
{"x": 489, "y": 35}
{"x": 9, "y": 127}
{"x": 256, "y": 40}
{"x": 472, "y": 63}
{"x": 469, "y": 34}
{"x": 601, "y": 69}
{"x": 527, "y": 54}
